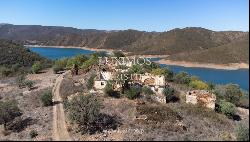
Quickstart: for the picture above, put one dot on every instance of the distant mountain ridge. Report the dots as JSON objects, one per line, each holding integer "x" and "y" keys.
{"x": 177, "y": 43}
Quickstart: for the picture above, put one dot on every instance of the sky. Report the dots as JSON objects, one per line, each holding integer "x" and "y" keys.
{"x": 146, "y": 15}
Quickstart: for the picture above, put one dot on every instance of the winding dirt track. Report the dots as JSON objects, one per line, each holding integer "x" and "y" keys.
{"x": 60, "y": 132}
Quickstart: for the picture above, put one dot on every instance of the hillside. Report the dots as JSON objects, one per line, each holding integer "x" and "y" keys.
{"x": 177, "y": 42}
{"x": 235, "y": 52}
{"x": 12, "y": 53}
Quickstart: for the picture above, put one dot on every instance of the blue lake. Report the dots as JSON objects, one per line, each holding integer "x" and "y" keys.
{"x": 57, "y": 53}
{"x": 216, "y": 76}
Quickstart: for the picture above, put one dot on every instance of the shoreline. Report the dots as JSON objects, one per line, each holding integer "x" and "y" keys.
{"x": 231, "y": 66}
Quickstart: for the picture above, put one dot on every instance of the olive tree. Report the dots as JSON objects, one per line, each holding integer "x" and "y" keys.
{"x": 84, "y": 111}
{"x": 8, "y": 112}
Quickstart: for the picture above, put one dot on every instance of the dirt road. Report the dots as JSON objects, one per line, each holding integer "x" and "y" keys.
{"x": 60, "y": 132}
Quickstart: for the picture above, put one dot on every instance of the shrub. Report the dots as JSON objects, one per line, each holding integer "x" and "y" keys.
{"x": 150, "y": 67}
{"x": 5, "y": 71}
{"x": 118, "y": 54}
{"x": 84, "y": 110}
{"x": 93, "y": 60}
{"x": 170, "y": 76}
{"x": 158, "y": 71}
{"x": 60, "y": 65}
{"x": 147, "y": 91}
{"x": 169, "y": 93}
{"x": 8, "y": 112}
{"x": 15, "y": 67}
{"x": 132, "y": 93}
{"x": 29, "y": 84}
{"x": 242, "y": 133}
{"x": 77, "y": 60}
{"x": 108, "y": 90}
{"x": 211, "y": 86}
{"x": 36, "y": 67}
{"x": 233, "y": 93}
{"x": 46, "y": 98}
{"x": 136, "y": 69}
{"x": 198, "y": 84}
{"x": 20, "y": 81}
{"x": 227, "y": 108}
{"x": 182, "y": 78}
{"x": 33, "y": 133}
{"x": 90, "y": 82}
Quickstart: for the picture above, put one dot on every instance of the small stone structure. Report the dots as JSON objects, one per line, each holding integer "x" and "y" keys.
{"x": 201, "y": 97}
{"x": 100, "y": 84}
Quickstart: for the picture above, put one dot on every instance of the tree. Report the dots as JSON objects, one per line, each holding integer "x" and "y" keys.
{"x": 33, "y": 133}
{"x": 182, "y": 78}
{"x": 84, "y": 110}
{"x": 36, "y": 67}
{"x": 90, "y": 82}
{"x": 132, "y": 93}
{"x": 198, "y": 84}
{"x": 211, "y": 86}
{"x": 169, "y": 76}
{"x": 46, "y": 98}
{"x": 109, "y": 91}
{"x": 60, "y": 65}
{"x": 233, "y": 93}
{"x": 77, "y": 60}
{"x": 29, "y": 84}
{"x": 138, "y": 69}
{"x": 227, "y": 108}
{"x": 118, "y": 54}
{"x": 8, "y": 112}
{"x": 242, "y": 133}
{"x": 147, "y": 91}
{"x": 169, "y": 93}
{"x": 20, "y": 81}
{"x": 159, "y": 71}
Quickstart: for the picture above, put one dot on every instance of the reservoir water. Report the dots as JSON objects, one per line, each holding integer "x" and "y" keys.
{"x": 217, "y": 76}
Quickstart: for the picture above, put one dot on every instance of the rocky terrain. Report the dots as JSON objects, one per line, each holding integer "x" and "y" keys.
{"x": 35, "y": 116}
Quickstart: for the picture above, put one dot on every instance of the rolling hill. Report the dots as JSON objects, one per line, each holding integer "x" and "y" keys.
{"x": 192, "y": 44}
{"x": 12, "y": 54}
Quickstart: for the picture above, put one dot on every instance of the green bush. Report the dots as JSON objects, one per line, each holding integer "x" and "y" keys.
{"x": 84, "y": 110}
{"x": 77, "y": 60}
{"x": 118, "y": 54}
{"x": 46, "y": 98}
{"x": 93, "y": 60}
{"x": 227, "y": 108}
{"x": 169, "y": 93}
{"x": 198, "y": 84}
{"x": 20, "y": 81}
{"x": 230, "y": 92}
{"x": 182, "y": 78}
{"x": 33, "y": 133}
{"x": 60, "y": 65}
{"x": 138, "y": 69}
{"x": 15, "y": 67}
{"x": 29, "y": 84}
{"x": 242, "y": 133}
{"x": 91, "y": 81}
{"x": 170, "y": 76}
{"x": 108, "y": 90}
{"x": 5, "y": 71}
{"x": 132, "y": 93}
{"x": 8, "y": 112}
{"x": 159, "y": 71}
{"x": 36, "y": 67}
{"x": 233, "y": 93}
{"x": 147, "y": 91}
